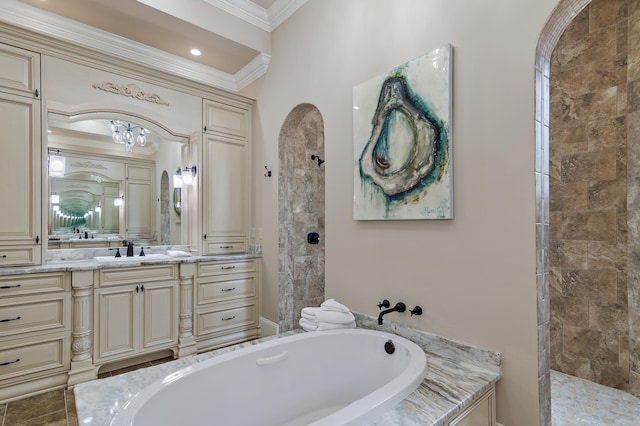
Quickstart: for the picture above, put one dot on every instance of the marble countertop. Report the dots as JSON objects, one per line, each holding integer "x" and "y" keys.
{"x": 457, "y": 374}
{"x": 89, "y": 264}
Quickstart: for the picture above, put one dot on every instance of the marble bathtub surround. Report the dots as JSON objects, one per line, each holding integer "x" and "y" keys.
{"x": 592, "y": 99}
{"x": 457, "y": 373}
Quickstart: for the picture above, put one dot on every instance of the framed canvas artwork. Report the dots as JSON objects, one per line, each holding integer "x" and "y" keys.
{"x": 402, "y": 141}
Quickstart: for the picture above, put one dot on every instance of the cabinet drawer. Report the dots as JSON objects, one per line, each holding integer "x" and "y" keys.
{"x": 27, "y": 356}
{"x": 226, "y": 247}
{"x": 225, "y": 289}
{"x": 14, "y": 285}
{"x": 36, "y": 313}
{"x": 138, "y": 274}
{"x": 227, "y": 267}
{"x": 209, "y": 321}
{"x": 18, "y": 256}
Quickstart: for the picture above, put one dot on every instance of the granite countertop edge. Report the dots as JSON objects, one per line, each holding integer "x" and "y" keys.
{"x": 457, "y": 374}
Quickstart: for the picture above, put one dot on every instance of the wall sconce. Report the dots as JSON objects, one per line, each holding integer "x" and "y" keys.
{"x": 55, "y": 198}
{"x": 184, "y": 177}
{"x": 118, "y": 201}
{"x": 56, "y": 164}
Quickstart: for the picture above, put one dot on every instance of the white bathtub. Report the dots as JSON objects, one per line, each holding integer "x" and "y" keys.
{"x": 334, "y": 377}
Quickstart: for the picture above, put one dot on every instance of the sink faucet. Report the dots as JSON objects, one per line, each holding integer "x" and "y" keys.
{"x": 400, "y": 307}
{"x": 130, "y": 249}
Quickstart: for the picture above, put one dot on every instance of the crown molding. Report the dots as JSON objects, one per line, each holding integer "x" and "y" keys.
{"x": 265, "y": 19}
{"x": 51, "y": 25}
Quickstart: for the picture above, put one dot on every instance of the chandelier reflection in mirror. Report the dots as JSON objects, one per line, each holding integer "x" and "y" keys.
{"x": 128, "y": 134}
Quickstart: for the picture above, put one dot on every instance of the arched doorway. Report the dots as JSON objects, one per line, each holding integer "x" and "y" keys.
{"x": 300, "y": 212}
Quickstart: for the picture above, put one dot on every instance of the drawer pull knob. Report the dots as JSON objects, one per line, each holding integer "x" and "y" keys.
{"x": 10, "y": 319}
{"x": 227, "y": 319}
{"x": 9, "y": 362}
{"x": 4, "y": 256}
{"x": 228, "y": 289}
{"x": 11, "y": 286}
{"x": 226, "y": 247}
{"x": 228, "y": 267}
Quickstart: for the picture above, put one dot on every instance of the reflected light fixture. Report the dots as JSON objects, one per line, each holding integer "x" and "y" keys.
{"x": 128, "y": 134}
{"x": 98, "y": 208}
{"x": 56, "y": 208}
{"x": 56, "y": 163}
{"x": 184, "y": 177}
{"x": 195, "y": 52}
{"x": 118, "y": 201}
{"x": 55, "y": 198}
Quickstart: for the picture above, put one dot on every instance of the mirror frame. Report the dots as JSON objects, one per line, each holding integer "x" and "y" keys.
{"x": 121, "y": 112}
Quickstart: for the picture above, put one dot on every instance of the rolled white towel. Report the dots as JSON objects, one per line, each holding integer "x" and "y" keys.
{"x": 332, "y": 326}
{"x": 320, "y": 315}
{"x": 332, "y": 305}
{"x": 307, "y": 325}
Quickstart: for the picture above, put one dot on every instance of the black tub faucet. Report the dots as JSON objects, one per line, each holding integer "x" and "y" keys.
{"x": 130, "y": 249}
{"x": 400, "y": 307}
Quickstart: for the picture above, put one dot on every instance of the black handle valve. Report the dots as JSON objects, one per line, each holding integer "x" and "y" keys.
{"x": 416, "y": 311}
{"x": 384, "y": 304}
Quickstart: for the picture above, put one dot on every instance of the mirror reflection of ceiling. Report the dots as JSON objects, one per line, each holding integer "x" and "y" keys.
{"x": 231, "y": 34}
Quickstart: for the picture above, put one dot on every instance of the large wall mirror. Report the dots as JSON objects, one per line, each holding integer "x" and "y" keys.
{"x": 110, "y": 191}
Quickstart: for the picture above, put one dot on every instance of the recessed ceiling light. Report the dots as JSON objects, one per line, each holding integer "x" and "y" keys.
{"x": 196, "y": 52}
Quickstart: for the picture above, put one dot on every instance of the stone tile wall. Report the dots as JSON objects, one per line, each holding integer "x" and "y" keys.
{"x": 588, "y": 123}
{"x": 301, "y": 210}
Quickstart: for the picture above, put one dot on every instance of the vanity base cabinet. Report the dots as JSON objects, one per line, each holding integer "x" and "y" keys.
{"x": 226, "y": 303}
{"x": 35, "y": 334}
{"x": 481, "y": 413}
{"x": 135, "y": 312}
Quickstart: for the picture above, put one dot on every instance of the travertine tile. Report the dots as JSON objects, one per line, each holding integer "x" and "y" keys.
{"x": 609, "y": 133}
{"x": 596, "y": 284}
{"x": 612, "y": 318}
{"x": 605, "y": 73}
{"x": 590, "y": 344}
{"x": 589, "y": 166}
{"x": 597, "y": 226}
{"x": 570, "y": 311}
{"x": 25, "y": 410}
{"x": 603, "y": 13}
{"x": 568, "y": 254}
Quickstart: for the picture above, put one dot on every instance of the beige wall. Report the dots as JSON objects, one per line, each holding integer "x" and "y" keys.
{"x": 474, "y": 275}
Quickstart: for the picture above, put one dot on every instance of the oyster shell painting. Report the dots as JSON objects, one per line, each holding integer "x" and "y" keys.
{"x": 402, "y": 141}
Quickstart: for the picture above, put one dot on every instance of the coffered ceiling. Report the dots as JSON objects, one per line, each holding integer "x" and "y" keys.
{"x": 233, "y": 36}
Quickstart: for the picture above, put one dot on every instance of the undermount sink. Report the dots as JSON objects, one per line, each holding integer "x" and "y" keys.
{"x": 136, "y": 258}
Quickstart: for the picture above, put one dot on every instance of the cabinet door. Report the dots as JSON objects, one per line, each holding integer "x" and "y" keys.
{"x": 117, "y": 321}
{"x": 159, "y": 314}
{"x": 20, "y": 162}
{"x": 19, "y": 71}
{"x": 139, "y": 216}
{"x": 226, "y": 120}
{"x": 225, "y": 188}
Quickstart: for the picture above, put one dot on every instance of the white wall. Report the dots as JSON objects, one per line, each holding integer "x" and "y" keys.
{"x": 474, "y": 275}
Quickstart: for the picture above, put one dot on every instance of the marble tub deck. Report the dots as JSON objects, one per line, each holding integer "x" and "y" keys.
{"x": 457, "y": 374}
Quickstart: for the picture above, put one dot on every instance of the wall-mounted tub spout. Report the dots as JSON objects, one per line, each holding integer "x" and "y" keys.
{"x": 400, "y": 307}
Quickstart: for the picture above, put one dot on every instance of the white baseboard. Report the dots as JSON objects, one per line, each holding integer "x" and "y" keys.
{"x": 268, "y": 328}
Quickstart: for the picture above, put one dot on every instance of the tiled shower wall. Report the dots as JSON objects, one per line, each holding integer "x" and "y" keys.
{"x": 590, "y": 112}
{"x": 300, "y": 211}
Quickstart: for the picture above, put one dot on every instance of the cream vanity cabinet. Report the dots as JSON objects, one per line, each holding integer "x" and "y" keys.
{"x": 35, "y": 333}
{"x": 226, "y": 303}
{"x": 135, "y": 311}
{"x": 225, "y": 179}
{"x": 481, "y": 413}
{"x": 21, "y": 159}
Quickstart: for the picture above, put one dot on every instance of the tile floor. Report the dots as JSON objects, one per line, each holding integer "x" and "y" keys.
{"x": 578, "y": 402}
{"x": 55, "y": 408}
